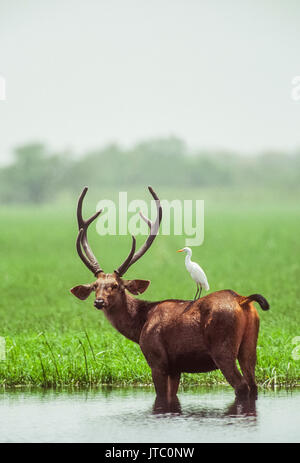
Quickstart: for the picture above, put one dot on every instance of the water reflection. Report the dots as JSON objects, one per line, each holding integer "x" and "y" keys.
{"x": 161, "y": 406}
{"x": 109, "y": 414}
{"x": 238, "y": 407}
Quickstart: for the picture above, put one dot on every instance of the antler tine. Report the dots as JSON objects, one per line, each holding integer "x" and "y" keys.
{"x": 122, "y": 269}
{"x": 89, "y": 259}
{"x": 80, "y": 253}
{"x": 153, "y": 232}
{"x": 153, "y": 228}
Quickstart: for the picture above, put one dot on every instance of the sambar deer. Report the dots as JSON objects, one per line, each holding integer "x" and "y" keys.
{"x": 175, "y": 335}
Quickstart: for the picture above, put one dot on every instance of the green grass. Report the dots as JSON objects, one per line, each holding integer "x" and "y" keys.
{"x": 54, "y": 339}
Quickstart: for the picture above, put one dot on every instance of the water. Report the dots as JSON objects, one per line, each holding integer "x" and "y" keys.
{"x": 115, "y": 415}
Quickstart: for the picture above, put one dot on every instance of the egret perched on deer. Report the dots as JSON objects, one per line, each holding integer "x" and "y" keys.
{"x": 196, "y": 272}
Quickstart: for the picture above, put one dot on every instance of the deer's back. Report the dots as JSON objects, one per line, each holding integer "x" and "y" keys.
{"x": 181, "y": 333}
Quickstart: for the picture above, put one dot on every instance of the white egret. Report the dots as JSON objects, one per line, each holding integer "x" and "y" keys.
{"x": 196, "y": 272}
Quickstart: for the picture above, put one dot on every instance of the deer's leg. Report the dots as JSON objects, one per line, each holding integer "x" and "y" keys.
{"x": 223, "y": 337}
{"x": 160, "y": 380}
{"x": 247, "y": 354}
{"x": 227, "y": 365}
{"x": 224, "y": 353}
{"x": 173, "y": 384}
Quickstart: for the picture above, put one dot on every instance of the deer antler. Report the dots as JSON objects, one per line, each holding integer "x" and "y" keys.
{"x": 88, "y": 258}
{"x": 153, "y": 226}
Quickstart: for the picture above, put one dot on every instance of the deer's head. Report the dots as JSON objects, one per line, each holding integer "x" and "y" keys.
{"x": 110, "y": 288}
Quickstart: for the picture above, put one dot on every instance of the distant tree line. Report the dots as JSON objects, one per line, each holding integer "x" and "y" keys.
{"x": 37, "y": 175}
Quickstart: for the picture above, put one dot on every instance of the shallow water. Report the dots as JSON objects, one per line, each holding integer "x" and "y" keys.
{"x": 115, "y": 415}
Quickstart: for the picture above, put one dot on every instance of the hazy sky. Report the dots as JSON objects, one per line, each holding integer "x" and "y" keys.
{"x": 217, "y": 73}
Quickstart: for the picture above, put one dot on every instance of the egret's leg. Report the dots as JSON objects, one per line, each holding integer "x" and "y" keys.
{"x": 196, "y": 292}
{"x": 200, "y": 292}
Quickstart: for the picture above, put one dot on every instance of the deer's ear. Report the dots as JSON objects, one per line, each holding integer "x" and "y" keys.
{"x": 136, "y": 286}
{"x": 82, "y": 291}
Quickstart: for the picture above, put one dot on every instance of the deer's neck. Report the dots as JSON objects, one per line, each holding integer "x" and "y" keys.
{"x": 130, "y": 316}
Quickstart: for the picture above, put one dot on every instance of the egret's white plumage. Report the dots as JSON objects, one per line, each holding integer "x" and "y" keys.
{"x": 196, "y": 272}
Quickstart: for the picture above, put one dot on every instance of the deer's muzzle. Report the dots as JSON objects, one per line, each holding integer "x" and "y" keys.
{"x": 99, "y": 303}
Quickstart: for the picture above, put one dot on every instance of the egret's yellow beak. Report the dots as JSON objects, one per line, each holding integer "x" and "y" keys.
{"x": 180, "y": 250}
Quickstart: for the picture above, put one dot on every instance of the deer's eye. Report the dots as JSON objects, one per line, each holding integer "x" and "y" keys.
{"x": 114, "y": 286}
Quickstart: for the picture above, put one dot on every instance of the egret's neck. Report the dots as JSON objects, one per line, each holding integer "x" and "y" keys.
{"x": 188, "y": 258}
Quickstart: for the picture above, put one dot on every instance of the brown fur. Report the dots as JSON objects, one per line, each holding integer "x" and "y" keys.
{"x": 179, "y": 336}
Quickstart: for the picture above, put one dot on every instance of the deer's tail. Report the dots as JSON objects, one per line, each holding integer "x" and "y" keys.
{"x": 257, "y": 298}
